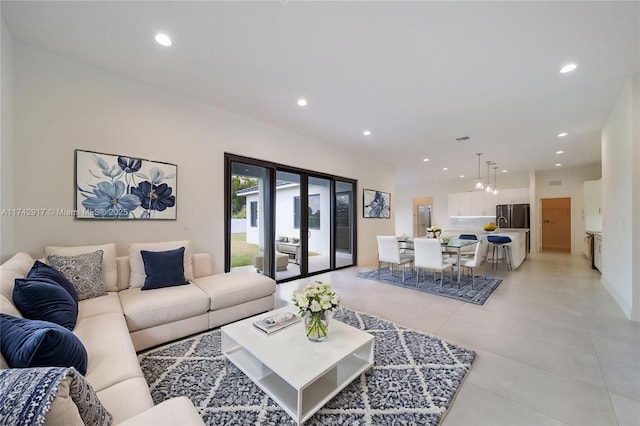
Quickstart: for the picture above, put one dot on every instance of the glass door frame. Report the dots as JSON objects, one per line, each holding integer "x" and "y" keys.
{"x": 270, "y": 211}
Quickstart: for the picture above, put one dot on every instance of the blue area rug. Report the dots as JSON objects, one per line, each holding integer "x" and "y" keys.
{"x": 484, "y": 286}
{"x": 413, "y": 381}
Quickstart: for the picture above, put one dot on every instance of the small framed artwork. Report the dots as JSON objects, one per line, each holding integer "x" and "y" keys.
{"x": 376, "y": 204}
{"x": 118, "y": 187}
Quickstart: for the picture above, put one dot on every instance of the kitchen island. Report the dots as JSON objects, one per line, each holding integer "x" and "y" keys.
{"x": 518, "y": 246}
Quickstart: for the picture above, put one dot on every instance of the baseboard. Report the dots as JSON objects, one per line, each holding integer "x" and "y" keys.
{"x": 624, "y": 305}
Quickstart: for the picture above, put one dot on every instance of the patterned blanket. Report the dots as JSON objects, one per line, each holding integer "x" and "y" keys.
{"x": 26, "y": 395}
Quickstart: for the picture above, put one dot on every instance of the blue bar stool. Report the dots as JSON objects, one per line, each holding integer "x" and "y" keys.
{"x": 501, "y": 241}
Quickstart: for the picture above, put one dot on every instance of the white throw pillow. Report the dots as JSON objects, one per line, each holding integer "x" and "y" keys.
{"x": 109, "y": 266}
{"x": 138, "y": 274}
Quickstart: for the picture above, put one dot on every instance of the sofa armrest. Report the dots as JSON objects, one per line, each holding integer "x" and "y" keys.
{"x": 175, "y": 411}
{"x": 201, "y": 263}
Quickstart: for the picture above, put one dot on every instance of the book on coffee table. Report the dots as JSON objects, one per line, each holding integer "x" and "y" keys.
{"x": 276, "y": 322}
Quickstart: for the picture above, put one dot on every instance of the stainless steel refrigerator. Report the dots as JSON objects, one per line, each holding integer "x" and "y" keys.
{"x": 512, "y": 215}
{"x": 424, "y": 220}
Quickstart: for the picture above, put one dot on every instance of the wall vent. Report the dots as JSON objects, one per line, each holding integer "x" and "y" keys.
{"x": 555, "y": 183}
{"x": 463, "y": 139}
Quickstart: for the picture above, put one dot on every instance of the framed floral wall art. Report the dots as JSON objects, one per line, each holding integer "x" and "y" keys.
{"x": 118, "y": 187}
{"x": 376, "y": 204}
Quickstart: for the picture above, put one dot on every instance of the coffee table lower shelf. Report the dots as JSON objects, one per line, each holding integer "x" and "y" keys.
{"x": 300, "y": 403}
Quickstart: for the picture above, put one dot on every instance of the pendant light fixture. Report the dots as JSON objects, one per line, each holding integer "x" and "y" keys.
{"x": 488, "y": 188}
{"x": 479, "y": 184}
{"x": 495, "y": 180}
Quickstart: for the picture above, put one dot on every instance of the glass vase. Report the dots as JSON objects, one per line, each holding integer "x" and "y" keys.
{"x": 317, "y": 326}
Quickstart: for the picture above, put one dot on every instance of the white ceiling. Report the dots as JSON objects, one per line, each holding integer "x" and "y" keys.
{"x": 417, "y": 74}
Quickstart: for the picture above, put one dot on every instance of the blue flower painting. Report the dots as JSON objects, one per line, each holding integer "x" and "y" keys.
{"x": 119, "y": 187}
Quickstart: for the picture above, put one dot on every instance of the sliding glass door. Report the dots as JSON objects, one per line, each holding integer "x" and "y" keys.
{"x": 248, "y": 207}
{"x": 286, "y": 222}
{"x": 344, "y": 223}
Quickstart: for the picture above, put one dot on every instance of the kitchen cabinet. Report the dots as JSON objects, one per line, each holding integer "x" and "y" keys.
{"x": 460, "y": 204}
{"x": 592, "y": 205}
{"x": 477, "y": 203}
{"x": 597, "y": 251}
{"x": 483, "y": 204}
{"x": 513, "y": 196}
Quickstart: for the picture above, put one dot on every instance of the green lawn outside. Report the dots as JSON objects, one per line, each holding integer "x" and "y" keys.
{"x": 242, "y": 252}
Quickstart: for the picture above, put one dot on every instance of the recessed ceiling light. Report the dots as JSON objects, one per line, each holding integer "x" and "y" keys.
{"x": 568, "y": 68}
{"x": 445, "y": 168}
{"x": 367, "y": 133}
{"x": 461, "y": 176}
{"x": 562, "y": 135}
{"x": 302, "y": 102}
{"x": 425, "y": 160}
{"x": 559, "y": 152}
{"x": 163, "y": 40}
{"x": 558, "y": 164}
{"x": 505, "y": 171}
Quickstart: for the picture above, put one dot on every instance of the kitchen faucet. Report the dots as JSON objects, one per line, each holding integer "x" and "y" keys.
{"x": 504, "y": 218}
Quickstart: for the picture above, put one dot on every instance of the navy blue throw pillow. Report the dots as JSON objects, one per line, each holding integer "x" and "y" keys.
{"x": 42, "y": 270}
{"x": 163, "y": 268}
{"x": 43, "y": 299}
{"x": 30, "y": 343}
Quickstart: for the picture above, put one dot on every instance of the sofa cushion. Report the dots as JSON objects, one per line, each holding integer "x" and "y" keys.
{"x": 109, "y": 304}
{"x": 138, "y": 274}
{"x": 234, "y": 288}
{"x": 42, "y": 270}
{"x": 7, "y": 307}
{"x": 112, "y": 357}
{"x": 163, "y": 268}
{"x": 126, "y": 399}
{"x": 16, "y": 267}
{"x": 109, "y": 268}
{"x": 30, "y": 343}
{"x": 144, "y": 309}
{"x": 175, "y": 411}
{"x": 84, "y": 271}
{"x": 43, "y": 299}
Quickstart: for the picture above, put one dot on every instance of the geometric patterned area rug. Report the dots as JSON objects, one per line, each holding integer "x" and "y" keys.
{"x": 414, "y": 380}
{"x": 483, "y": 288}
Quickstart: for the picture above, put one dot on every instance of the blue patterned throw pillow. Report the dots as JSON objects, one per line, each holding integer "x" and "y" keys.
{"x": 84, "y": 271}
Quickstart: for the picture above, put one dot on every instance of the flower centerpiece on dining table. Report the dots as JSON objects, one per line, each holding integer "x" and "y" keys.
{"x": 314, "y": 302}
{"x": 434, "y": 232}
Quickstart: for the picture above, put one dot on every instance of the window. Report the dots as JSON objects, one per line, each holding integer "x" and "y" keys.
{"x": 314, "y": 212}
{"x": 254, "y": 214}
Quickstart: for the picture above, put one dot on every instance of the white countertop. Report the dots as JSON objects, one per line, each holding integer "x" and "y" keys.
{"x": 480, "y": 231}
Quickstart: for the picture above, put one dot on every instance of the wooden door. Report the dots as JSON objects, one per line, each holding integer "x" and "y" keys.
{"x": 556, "y": 224}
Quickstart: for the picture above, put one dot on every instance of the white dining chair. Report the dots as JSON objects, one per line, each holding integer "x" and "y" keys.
{"x": 473, "y": 262}
{"x": 428, "y": 255}
{"x": 389, "y": 252}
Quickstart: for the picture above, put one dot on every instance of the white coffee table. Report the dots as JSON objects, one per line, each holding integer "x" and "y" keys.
{"x": 300, "y": 375}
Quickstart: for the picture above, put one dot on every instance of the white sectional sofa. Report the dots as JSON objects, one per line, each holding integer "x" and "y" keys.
{"x": 125, "y": 320}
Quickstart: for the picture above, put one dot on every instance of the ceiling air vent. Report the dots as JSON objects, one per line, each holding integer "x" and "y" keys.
{"x": 463, "y": 139}
{"x": 555, "y": 183}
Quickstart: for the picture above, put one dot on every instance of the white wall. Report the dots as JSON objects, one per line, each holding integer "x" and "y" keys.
{"x": 6, "y": 150}
{"x": 572, "y": 186}
{"x": 61, "y": 105}
{"x": 620, "y": 193}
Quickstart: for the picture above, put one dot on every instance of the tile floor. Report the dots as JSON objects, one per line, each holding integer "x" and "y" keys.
{"x": 554, "y": 348}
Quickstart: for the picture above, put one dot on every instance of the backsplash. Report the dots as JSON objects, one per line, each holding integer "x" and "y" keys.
{"x": 470, "y": 221}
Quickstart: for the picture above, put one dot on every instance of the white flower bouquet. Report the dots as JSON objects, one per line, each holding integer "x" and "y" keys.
{"x": 313, "y": 302}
